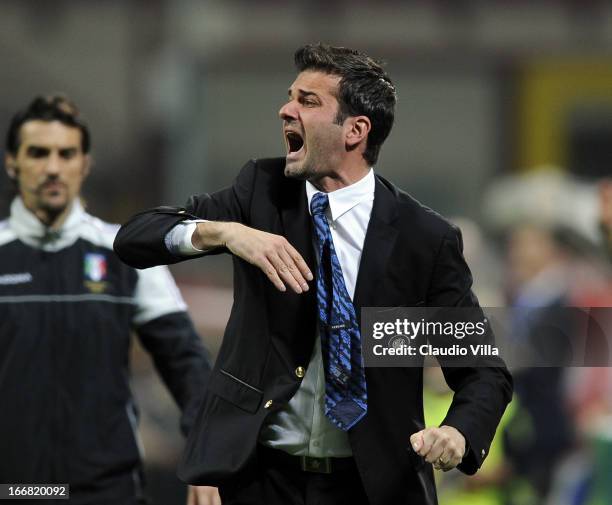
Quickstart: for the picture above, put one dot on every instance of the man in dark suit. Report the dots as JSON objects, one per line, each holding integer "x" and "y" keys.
{"x": 291, "y": 416}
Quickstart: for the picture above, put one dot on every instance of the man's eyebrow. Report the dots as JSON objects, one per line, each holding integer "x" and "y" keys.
{"x": 303, "y": 92}
{"x": 37, "y": 147}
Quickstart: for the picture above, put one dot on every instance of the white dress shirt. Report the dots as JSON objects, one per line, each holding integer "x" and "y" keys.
{"x": 301, "y": 427}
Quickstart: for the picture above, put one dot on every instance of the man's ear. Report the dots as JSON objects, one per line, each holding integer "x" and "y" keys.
{"x": 359, "y": 127}
{"x": 10, "y": 164}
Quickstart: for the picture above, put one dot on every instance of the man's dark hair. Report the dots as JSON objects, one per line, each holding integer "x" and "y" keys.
{"x": 365, "y": 89}
{"x": 49, "y": 108}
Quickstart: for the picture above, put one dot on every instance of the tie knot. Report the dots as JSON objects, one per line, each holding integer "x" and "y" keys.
{"x": 319, "y": 204}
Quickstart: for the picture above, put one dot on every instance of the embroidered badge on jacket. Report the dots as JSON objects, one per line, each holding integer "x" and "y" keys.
{"x": 95, "y": 270}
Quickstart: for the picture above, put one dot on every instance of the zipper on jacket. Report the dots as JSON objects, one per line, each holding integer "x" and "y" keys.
{"x": 240, "y": 381}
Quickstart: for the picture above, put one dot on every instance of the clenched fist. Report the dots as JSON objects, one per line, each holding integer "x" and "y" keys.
{"x": 444, "y": 447}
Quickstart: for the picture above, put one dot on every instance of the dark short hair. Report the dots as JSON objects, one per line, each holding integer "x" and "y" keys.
{"x": 364, "y": 88}
{"x": 47, "y": 108}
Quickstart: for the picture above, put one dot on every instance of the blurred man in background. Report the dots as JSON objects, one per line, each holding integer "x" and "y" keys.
{"x": 67, "y": 308}
{"x": 539, "y": 266}
{"x": 547, "y": 220}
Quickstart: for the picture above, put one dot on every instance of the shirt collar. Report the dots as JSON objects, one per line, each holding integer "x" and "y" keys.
{"x": 33, "y": 232}
{"x": 344, "y": 199}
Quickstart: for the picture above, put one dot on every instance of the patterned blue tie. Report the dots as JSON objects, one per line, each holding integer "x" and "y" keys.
{"x": 346, "y": 399}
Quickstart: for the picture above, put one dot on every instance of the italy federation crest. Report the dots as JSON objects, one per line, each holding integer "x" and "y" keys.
{"x": 95, "y": 267}
{"x": 95, "y": 270}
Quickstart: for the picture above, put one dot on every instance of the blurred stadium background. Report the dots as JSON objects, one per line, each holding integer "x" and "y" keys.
{"x": 504, "y": 124}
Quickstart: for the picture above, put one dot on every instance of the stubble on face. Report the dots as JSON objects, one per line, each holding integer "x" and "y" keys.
{"x": 52, "y": 198}
{"x": 322, "y": 156}
{"x": 49, "y": 168}
{"x": 313, "y": 133}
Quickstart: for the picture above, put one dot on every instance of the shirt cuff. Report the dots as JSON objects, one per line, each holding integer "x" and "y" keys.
{"x": 178, "y": 239}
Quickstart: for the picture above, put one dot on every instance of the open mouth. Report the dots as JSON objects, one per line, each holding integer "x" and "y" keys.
{"x": 295, "y": 142}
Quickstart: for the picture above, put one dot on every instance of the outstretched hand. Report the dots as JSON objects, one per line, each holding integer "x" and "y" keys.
{"x": 273, "y": 254}
{"x": 203, "y": 495}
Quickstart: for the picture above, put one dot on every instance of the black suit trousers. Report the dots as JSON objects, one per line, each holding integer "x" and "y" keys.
{"x": 270, "y": 481}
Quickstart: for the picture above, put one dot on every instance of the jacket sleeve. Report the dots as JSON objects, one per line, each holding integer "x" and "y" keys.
{"x": 167, "y": 333}
{"x": 140, "y": 242}
{"x": 481, "y": 394}
{"x": 181, "y": 360}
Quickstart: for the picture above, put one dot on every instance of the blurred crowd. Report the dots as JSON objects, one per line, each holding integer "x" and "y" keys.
{"x": 544, "y": 242}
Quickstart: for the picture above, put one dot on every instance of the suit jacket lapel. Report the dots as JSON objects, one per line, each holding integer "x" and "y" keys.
{"x": 296, "y": 222}
{"x": 296, "y": 311}
{"x": 378, "y": 245}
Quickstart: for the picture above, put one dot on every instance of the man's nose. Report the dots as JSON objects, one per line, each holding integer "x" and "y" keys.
{"x": 288, "y": 112}
{"x": 54, "y": 164}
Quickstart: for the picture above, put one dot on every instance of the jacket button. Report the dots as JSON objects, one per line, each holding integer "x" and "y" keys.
{"x": 300, "y": 372}
{"x": 482, "y": 453}
{"x": 268, "y": 404}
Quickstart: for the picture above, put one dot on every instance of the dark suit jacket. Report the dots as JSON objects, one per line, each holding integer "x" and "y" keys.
{"x": 411, "y": 256}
